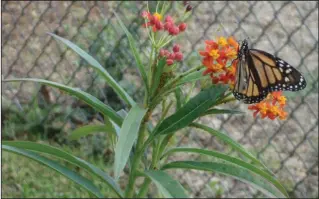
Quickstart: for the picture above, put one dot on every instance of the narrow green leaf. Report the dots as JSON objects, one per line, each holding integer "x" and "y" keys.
{"x": 169, "y": 187}
{"x": 80, "y": 180}
{"x": 157, "y": 77}
{"x": 197, "y": 75}
{"x": 86, "y": 97}
{"x": 128, "y": 135}
{"x": 110, "y": 124}
{"x": 96, "y": 65}
{"x": 89, "y": 129}
{"x": 239, "y": 173}
{"x": 192, "y": 77}
{"x": 134, "y": 51}
{"x": 56, "y": 152}
{"x": 231, "y": 142}
{"x": 122, "y": 113}
{"x": 233, "y": 160}
{"x": 193, "y": 109}
{"x": 221, "y": 111}
{"x": 179, "y": 98}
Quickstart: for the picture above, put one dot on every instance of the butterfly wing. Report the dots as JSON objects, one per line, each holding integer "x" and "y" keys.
{"x": 277, "y": 75}
{"x": 260, "y": 73}
{"x": 246, "y": 86}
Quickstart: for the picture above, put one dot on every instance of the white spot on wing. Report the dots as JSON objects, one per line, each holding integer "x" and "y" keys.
{"x": 286, "y": 79}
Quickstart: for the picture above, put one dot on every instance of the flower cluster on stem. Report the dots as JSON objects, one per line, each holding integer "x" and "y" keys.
{"x": 220, "y": 60}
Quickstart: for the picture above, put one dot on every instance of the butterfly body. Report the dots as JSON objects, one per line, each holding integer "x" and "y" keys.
{"x": 259, "y": 73}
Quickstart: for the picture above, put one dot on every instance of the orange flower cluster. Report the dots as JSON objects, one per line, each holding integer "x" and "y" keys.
{"x": 216, "y": 56}
{"x": 271, "y": 107}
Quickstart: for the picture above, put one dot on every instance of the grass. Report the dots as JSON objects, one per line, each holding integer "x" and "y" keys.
{"x": 24, "y": 178}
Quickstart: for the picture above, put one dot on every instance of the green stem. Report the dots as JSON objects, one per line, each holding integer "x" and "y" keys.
{"x": 168, "y": 41}
{"x": 190, "y": 92}
{"x": 155, "y": 158}
{"x": 136, "y": 160}
{"x": 147, "y": 94}
{"x": 147, "y": 181}
{"x": 173, "y": 81}
{"x": 144, "y": 188}
{"x": 153, "y": 66}
{"x": 170, "y": 84}
{"x": 165, "y": 111}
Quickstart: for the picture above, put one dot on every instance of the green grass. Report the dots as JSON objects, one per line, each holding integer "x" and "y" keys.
{"x": 24, "y": 178}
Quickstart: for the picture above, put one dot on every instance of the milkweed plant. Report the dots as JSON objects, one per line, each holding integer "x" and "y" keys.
{"x": 135, "y": 133}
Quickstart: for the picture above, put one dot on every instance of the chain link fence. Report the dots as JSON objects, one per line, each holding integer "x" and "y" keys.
{"x": 287, "y": 29}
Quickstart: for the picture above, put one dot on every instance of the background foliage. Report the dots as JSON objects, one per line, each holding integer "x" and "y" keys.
{"x": 32, "y": 112}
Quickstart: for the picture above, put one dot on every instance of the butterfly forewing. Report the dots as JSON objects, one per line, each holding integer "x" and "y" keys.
{"x": 245, "y": 87}
{"x": 279, "y": 75}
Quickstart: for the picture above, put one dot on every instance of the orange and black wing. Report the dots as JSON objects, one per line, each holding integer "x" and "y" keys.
{"x": 259, "y": 73}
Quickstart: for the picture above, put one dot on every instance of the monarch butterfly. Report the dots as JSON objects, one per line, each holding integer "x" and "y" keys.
{"x": 259, "y": 73}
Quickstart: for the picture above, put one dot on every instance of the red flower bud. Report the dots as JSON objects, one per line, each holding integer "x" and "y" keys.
{"x": 167, "y": 53}
{"x": 159, "y": 25}
{"x": 174, "y": 30}
{"x": 162, "y": 53}
{"x": 168, "y": 25}
{"x": 176, "y": 48}
{"x": 145, "y": 14}
{"x": 152, "y": 20}
{"x": 169, "y": 19}
{"x": 182, "y": 27}
{"x": 171, "y": 56}
{"x": 169, "y": 62}
{"x": 178, "y": 56}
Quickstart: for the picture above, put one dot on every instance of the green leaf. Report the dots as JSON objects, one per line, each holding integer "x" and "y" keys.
{"x": 179, "y": 98}
{"x": 56, "y": 152}
{"x": 222, "y": 111}
{"x": 233, "y": 160}
{"x": 128, "y": 135}
{"x": 197, "y": 75}
{"x": 89, "y": 129}
{"x": 192, "y": 77}
{"x": 169, "y": 187}
{"x": 239, "y": 173}
{"x": 157, "y": 76}
{"x": 97, "y": 66}
{"x": 193, "y": 109}
{"x": 80, "y": 180}
{"x": 86, "y": 97}
{"x": 231, "y": 142}
{"x": 134, "y": 51}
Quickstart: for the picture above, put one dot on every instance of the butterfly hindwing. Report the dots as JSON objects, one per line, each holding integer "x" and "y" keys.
{"x": 246, "y": 88}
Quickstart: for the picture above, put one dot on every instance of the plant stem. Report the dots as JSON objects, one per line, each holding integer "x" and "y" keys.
{"x": 144, "y": 188}
{"x": 147, "y": 181}
{"x": 172, "y": 82}
{"x": 136, "y": 160}
{"x": 190, "y": 92}
{"x": 140, "y": 147}
{"x": 170, "y": 85}
{"x": 147, "y": 94}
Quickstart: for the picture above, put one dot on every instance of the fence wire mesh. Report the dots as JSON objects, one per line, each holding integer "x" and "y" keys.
{"x": 287, "y": 29}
